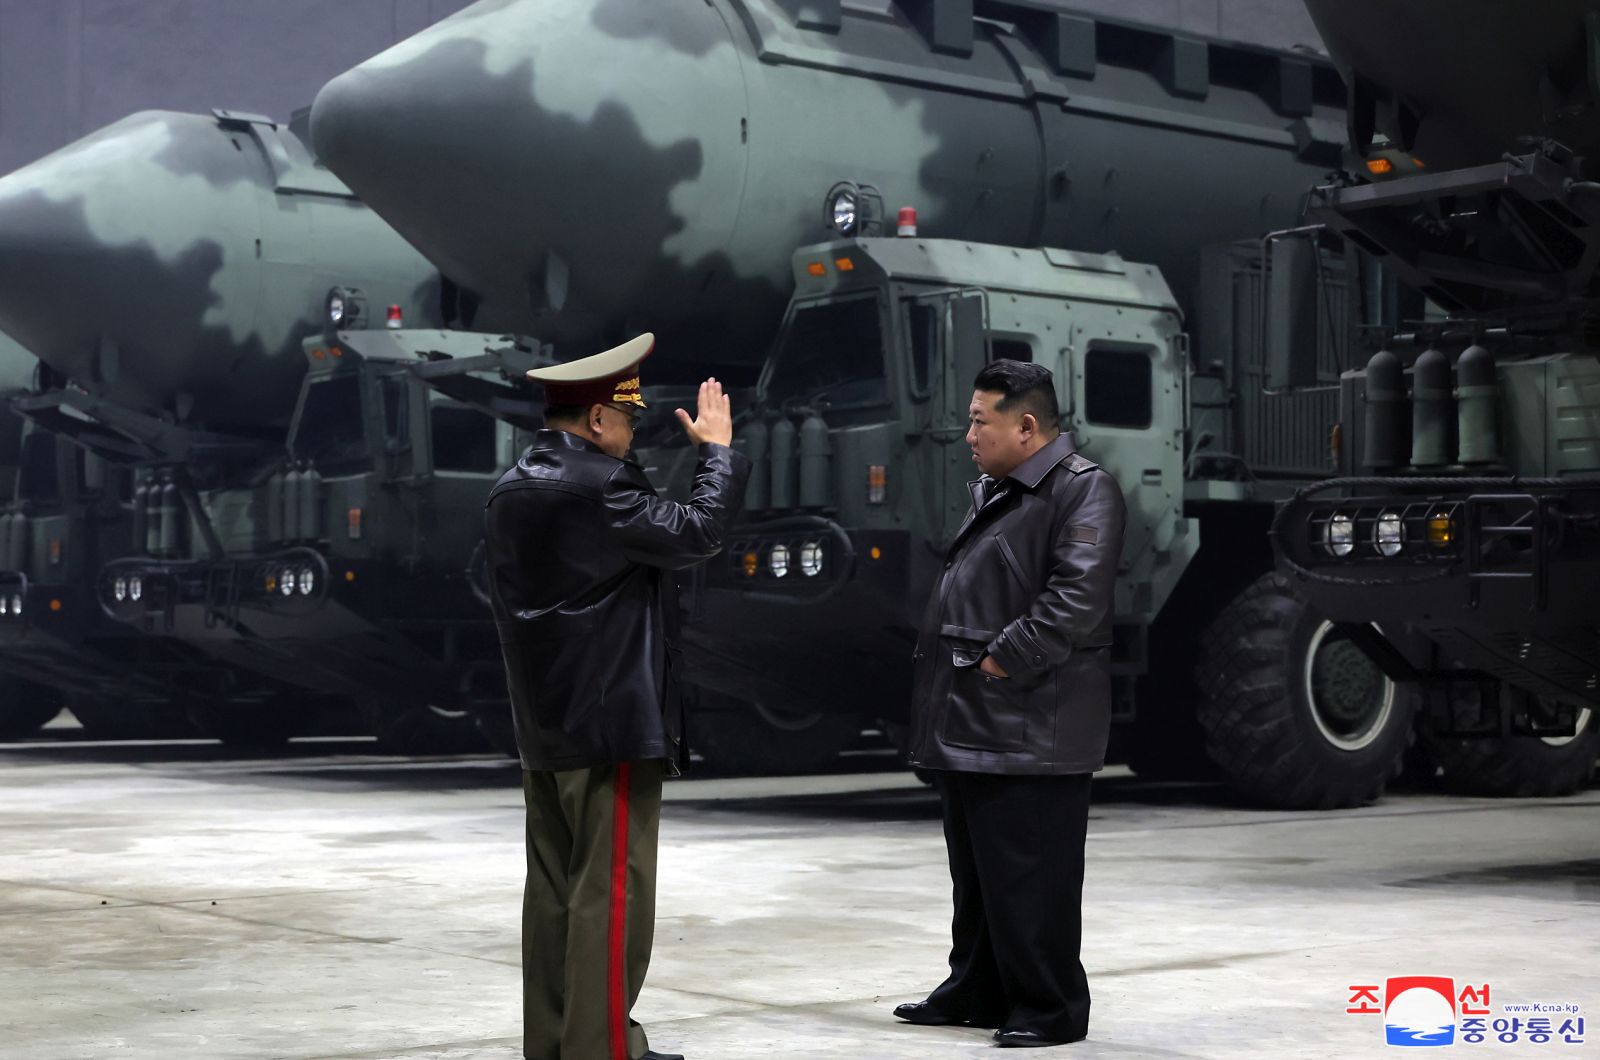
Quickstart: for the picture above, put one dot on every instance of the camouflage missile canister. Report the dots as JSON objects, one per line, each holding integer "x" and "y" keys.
{"x": 174, "y": 262}
{"x": 607, "y": 164}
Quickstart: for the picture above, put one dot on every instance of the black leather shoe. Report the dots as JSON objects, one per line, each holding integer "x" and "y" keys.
{"x": 1027, "y": 1040}
{"x": 653, "y": 1055}
{"x": 924, "y": 1015}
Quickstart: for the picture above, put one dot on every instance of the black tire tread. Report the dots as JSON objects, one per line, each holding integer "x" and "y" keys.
{"x": 1246, "y": 704}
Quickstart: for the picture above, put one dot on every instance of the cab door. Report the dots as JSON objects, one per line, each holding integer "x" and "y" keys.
{"x": 947, "y": 340}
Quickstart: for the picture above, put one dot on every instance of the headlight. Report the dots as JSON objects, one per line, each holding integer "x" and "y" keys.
{"x": 1340, "y": 536}
{"x": 811, "y": 558}
{"x": 778, "y": 560}
{"x": 286, "y": 581}
{"x": 1390, "y": 535}
{"x": 308, "y": 580}
{"x": 844, "y": 211}
{"x": 16, "y": 605}
{"x": 345, "y": 308}
{"x": 135, "y": 588}
{"x": 119, "y": 589}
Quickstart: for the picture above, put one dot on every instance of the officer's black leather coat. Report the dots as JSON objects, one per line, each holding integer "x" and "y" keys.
{"x": 1029, "y": 580}
{"x": 578, "y": 543}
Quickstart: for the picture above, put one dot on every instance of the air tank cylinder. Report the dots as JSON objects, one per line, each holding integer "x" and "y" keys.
{"x": 275, "y": 507}
{"x": 291, "y": 503}
{"x": 756, "y": 494}
{"x": 152, "y": 522}
{"x": 171, "y": 511}
{"x": 5, "y": 535}
{"x": 310, "y": 503}
{"x": 141, "y": 513}
{"x": 1385, "y": 429}
{"x": 1477, "y": 394}
{"x": 783, "y": 463}
{"x": 1430, "y": 410}
{"x": 816, "y": 448}
{"x": 17, "y": 542}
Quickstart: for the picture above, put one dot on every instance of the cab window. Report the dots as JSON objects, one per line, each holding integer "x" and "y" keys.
{"x": 1117, "y": 383}
{"x": 830, "y": 353}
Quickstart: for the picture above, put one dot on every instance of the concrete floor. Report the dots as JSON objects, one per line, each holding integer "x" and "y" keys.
{"x": 177, "y": 902}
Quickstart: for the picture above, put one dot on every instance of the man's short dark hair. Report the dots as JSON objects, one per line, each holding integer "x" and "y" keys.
{"x": 1025, "y": 385}
{"x": 565, "y": 414}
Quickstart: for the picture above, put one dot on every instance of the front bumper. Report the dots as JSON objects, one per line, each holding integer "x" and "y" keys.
{"x": 842, "y": 635}
{"x": 1501, "y": 574}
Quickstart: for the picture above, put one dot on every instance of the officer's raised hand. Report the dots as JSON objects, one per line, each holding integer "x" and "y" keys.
{"x": 715, "y": 421}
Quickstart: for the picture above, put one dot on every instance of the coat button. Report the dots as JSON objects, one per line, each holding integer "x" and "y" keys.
{"x": 949, "y": 564}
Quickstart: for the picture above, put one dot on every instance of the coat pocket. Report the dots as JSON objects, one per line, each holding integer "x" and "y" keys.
{"x": 983, "y": 713}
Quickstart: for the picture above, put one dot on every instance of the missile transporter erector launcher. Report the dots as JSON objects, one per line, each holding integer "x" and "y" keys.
{"x": 1461, "y": 545}
{"x": 598, "y": 169}
{"x": 177, "y": 274}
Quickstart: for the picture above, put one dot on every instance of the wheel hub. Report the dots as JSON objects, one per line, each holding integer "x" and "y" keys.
{"x": 1351, "y": 700}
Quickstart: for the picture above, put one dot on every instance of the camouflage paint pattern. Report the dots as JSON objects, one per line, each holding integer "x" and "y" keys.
{"x": 174, "y": 262}
{"x": 600, "y": 167}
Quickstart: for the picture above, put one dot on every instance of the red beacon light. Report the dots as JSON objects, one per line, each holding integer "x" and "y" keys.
{"x": 396, "y": 318}
{"x": 907, "y": 225}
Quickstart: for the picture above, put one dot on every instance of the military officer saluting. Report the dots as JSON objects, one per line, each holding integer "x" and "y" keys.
{"x": 580, "y": 552}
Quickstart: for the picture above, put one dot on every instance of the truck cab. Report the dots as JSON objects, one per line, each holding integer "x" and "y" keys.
{"x": 859, "y": 483}
{"x": 346, "y": 566}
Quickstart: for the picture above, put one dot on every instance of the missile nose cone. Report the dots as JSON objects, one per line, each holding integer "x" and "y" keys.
{"x": 111, "y": 245}
{"x": 540, "y": 152}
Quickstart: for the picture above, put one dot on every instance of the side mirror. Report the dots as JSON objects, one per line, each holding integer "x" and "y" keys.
{"x": 1291, "y": 311}
{"x": 969, "y": 323}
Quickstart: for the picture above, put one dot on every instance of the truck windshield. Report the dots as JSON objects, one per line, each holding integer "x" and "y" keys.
{"x": 329, "y": 429}
{"x": 831, "y": 352}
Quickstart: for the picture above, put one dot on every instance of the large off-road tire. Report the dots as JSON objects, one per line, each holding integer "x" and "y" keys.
{"x": 108, "y": 720}
{"x": 1519, "y": 766}
{"x": 265, "y": 726}
{"x": 25, "y": 708}
{"x": 412, "y": 729}
{"x": 1294, "y": 715}
{"x": 733, "y": 737}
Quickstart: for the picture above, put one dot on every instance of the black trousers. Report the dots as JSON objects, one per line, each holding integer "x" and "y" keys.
{"x": 1016, "y": 861}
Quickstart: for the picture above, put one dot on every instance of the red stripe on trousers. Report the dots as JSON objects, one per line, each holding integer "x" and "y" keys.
{"x": 615, "y": 966}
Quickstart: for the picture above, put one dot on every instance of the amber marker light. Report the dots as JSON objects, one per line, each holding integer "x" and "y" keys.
{"x": 876, "y": 553}
{"x": 55, "y": 605}
{"x": 349, "y": 575}
{"x": 752, "y": 563}
{"x": 844, "y": 264}
{"x": 817, "y": 268}
{"x": 1441, "y": 530}
{"x": 1418, "y": 162}
{"x": 1379, "y": 167}
{"x": 319, "y": 354}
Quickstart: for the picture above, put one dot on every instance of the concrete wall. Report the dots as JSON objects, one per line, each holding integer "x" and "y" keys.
{"x": 68, "y": 67}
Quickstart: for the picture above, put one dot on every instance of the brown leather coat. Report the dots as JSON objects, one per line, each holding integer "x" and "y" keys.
{"x": 1029, "y": 580}
{"x": 579, "y": 546}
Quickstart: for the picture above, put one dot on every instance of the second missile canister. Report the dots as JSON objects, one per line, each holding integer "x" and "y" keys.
{"x": 173, "y": 263}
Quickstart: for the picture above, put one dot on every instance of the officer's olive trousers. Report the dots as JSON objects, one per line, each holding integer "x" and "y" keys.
{"x": 1015, "y": 845}
{"x": 588, "y": 909}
